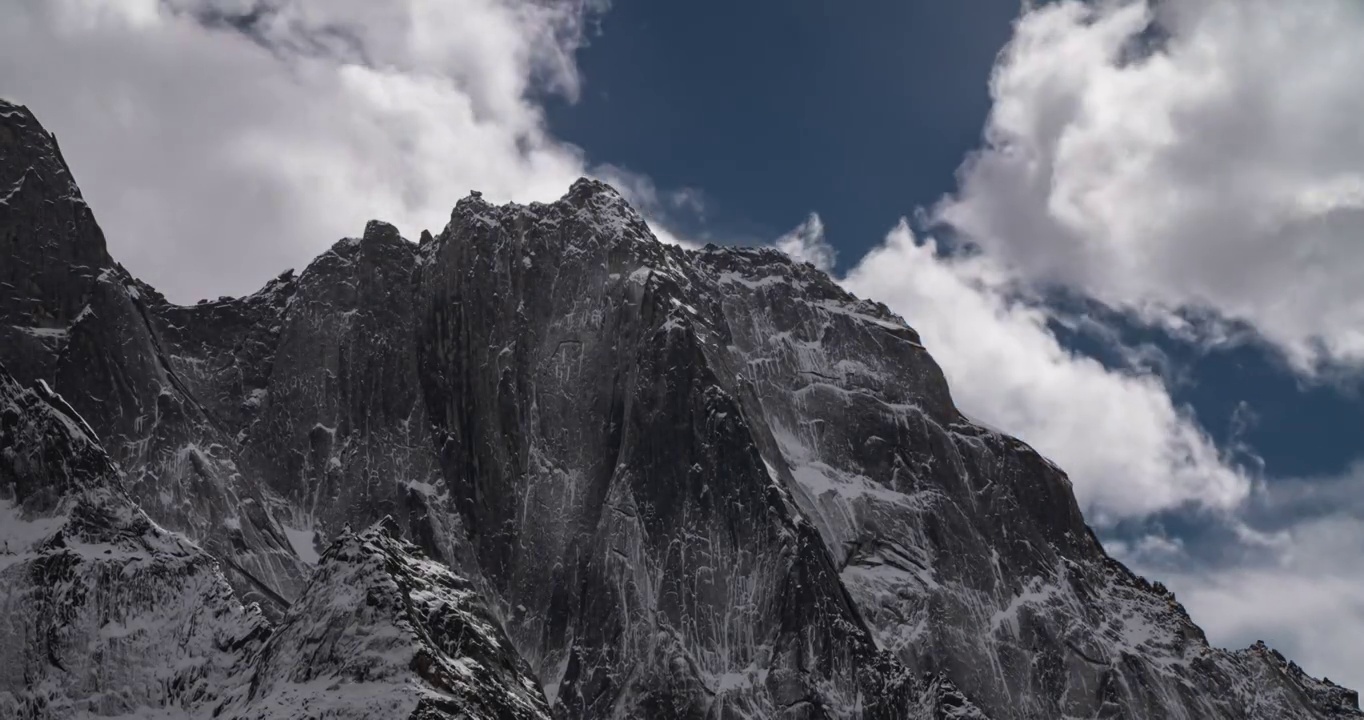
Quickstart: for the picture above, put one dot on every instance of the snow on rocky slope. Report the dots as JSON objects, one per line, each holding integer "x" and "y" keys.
{"x": 107, "y": 614}
{"x": 382, "y": 632}
{"x": 665, "y": 483}
{"x": 102, "y": 612}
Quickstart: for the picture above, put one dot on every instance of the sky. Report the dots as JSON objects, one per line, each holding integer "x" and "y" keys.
{"x": 1128, "y": 230}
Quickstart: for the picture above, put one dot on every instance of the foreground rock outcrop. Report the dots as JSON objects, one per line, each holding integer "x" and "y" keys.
{"x": 621, "y": 479}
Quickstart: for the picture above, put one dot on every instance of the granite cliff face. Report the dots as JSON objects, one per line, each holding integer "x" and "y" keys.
{"x": 612, "y": 478}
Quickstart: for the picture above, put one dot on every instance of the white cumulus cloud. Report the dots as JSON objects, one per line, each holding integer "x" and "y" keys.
{"x": 1186, "y": 154}
{"x": 1129, "y": 450}
{"x": 806, "y": 243}
{"x": 221, "y": 141}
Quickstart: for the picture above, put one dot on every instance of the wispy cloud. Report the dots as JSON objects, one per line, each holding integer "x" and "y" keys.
{"x": 806, "y": 243}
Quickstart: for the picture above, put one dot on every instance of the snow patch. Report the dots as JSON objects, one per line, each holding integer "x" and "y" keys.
{"x": 302, "y": 543}
{"x": 752, "y": 283}
{"x": 425, "y": 488}
{"x": 19, "y": 534}
{"x": 255, "y": 398}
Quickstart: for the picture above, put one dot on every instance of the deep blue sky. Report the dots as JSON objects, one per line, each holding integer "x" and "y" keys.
{"x": 776, "y": 108}
{"x": 1295, "y": 427}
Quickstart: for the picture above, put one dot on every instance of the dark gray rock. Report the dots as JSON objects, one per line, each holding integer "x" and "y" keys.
{"x": 383, "y": 632}
{"x": 611, "y": 487}
{"x": 342, "y": 434}
{"x": 53, "y": 248}
{"x": 102, "y": 612}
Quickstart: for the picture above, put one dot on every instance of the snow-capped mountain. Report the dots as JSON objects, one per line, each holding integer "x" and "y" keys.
{"x": 621, "y": 479}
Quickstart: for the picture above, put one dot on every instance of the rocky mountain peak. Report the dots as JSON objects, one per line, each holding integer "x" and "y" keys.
{"x": 589, "y": 214}
{"x": 106, "y": 613}
{"x": 53, "y": 247}
{"x": 31, "y": 155}
{"x": 602, "y": 477}
{"x": 48, "y": 450}
{"x": 380, "y": 231}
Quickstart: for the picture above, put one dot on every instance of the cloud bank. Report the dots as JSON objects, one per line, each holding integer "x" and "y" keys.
{"x": 1286, "y": 570}
{"x": 221, "y": 141}
{"x": 1187, "y": 154}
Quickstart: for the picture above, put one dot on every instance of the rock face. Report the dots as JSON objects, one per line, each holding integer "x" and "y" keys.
{"x": 380, "y": 633}
{"x": 102, "y": 612}
{"x": 654, "y": 482}
{"x": 107, "y": 614}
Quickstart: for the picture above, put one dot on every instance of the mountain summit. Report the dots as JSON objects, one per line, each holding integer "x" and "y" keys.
{"x": 603, "y": 477}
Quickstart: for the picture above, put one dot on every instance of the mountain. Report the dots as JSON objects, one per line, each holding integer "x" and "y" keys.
{"x": 604, "y": 477}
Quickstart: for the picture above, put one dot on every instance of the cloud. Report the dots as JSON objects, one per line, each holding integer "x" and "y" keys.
{"x": 1285, "y": 571}
{"x": 1185, "y": 154}
{"x": 1305, "y": 604}
{"x": 806, "y": 243}
{"x": 1129, "y": 450}
{"x": 220, "y": 141}
{"x": 1193, "y": 163}
{"x": 664, "y": 210}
